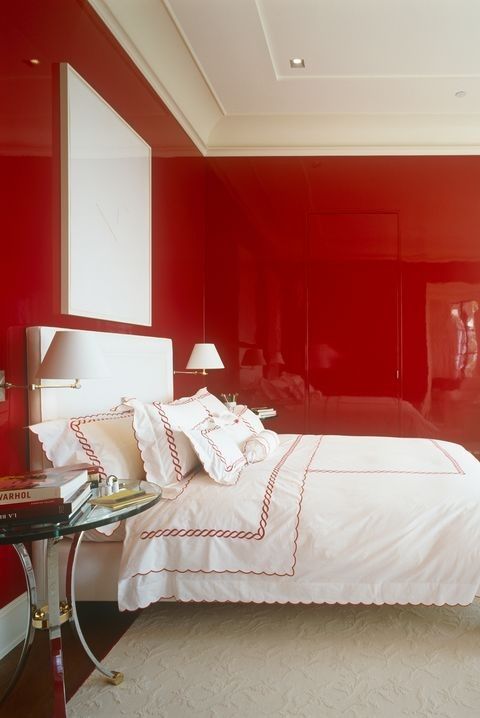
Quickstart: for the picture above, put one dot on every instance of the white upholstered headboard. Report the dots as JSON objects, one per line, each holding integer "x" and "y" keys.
{"x": 139, "y": 366}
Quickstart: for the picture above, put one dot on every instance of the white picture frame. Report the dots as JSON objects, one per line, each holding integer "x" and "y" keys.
{"x": 106, "y": 209}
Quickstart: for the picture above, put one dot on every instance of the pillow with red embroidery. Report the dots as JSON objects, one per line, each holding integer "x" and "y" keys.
{"x": 167, "y": 453}
{"x": 105, "y": 440}
{"x": 219, "y": 453}
{"x": 261, "y": 445}
{"x": 248, "y": 419}
{"x": 237, "y": 429}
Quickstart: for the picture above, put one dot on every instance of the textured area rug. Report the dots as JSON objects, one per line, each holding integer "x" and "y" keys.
{"x": 250, "y": 661}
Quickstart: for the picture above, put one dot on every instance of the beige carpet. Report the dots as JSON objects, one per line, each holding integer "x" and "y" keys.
{"x": 250, "y": 661}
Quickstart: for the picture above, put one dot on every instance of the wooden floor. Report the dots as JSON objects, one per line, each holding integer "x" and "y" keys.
{"x": 102, "y": 625}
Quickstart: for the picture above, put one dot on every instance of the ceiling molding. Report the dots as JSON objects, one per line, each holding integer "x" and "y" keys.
{"x": 194, "y": 55}
{"x": 342, "y": 151}
{"x": 153, "y": 37}
{"x": 346, "y": 135}
{"x": 171, "y": 69}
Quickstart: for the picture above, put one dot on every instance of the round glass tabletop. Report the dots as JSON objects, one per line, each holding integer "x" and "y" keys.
{"x": 89, "y": 516}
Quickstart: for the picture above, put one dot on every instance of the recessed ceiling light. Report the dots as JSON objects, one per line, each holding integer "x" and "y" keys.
{"x": 297, "y": 62}
{"x": 33, "y": 61}
{"x": 460, "y": 93}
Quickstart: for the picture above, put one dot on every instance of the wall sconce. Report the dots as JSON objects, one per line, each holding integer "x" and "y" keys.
{"x": 203, "y": 357}
{"x": 70, "y": 354}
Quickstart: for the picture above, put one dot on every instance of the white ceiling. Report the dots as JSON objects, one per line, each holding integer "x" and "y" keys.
{"x": 380, "y": 76}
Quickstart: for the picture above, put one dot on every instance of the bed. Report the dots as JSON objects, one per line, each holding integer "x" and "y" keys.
{"x": 321, "y": 519}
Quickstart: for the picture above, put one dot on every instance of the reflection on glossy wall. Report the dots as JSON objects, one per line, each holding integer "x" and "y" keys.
{"x": 51, "y": 32}
{"x": 346, "y": 291}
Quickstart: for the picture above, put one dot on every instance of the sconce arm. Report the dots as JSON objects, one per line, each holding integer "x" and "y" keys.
{"x": 9, "y": 385}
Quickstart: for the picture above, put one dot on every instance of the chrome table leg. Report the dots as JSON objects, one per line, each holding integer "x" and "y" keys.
{"x": 32, "y": 602}
{"x": 54, "y": 630}
{"x": 114, "y": 677}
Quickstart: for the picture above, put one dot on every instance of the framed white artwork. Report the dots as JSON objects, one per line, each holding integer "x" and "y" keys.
{"x": 106, "y": 209}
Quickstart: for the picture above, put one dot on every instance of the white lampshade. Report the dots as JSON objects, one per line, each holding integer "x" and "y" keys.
{"x": 205, "y": 356}
{"x": 73, "y": 355}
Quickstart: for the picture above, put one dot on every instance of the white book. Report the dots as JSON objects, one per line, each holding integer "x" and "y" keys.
{"x": 53, "y": 484}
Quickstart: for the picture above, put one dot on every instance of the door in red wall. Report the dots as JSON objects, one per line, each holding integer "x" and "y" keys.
{"x": 353, "y": 323}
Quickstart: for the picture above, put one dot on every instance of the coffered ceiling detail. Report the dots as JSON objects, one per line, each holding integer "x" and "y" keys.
{"x": 380, "y": 76}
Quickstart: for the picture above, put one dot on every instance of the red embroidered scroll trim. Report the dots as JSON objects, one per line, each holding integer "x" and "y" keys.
{"x": 258, "y": 534}
{"x": 169, "y": 435}
{"x": 245, "y": 421}
{"x": 83, "y": 441}
{"x": 291, "y": 572}
{"x": 457, "y": 466}
{"x": 172, "y": 446}
{"x": 218, "y": 452}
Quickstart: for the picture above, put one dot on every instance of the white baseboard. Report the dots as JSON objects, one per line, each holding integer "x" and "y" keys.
{"x": 13, "y": 619}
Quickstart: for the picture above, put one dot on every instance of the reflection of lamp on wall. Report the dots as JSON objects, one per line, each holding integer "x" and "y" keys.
{"x": 277, "y": 359}
{"x": 323, "y": 356}
{"x": 203, "y": 357}
{"x": 275, "y": 365}
{"x": 253, "y": 357}
{"x": 71, "y": 355}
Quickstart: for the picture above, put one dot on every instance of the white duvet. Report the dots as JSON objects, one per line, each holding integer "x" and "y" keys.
{"x": 323, "y": 519}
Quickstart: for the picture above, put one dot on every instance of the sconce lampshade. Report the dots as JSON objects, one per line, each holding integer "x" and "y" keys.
{"x": 73, "y": 355}
{"x": 253, "y": 357}
{"x": 277, "y": 358}
{"x": 205, "y": 356}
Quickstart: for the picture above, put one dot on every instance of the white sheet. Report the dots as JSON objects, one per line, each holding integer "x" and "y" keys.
{"x": 323, "y": 519}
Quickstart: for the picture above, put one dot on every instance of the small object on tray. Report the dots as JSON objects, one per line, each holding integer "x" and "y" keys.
{"x": 230, "y": 400}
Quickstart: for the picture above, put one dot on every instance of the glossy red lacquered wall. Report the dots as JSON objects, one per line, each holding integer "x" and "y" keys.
{"x": 356, "y": 281}
{"x": 341, "y": 341}
{"x": 69, "y": 31}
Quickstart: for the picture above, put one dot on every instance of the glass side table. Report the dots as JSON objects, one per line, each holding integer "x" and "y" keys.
{"x": 90, "y": 516}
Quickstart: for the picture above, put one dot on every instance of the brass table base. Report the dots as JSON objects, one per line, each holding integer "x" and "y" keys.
{"x": 40, "y": 615}
{"x": 50, "y": 617}
{"x": 116, "y": 678}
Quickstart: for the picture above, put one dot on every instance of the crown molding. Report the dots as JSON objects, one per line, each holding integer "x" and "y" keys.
{"x": 199, "y": 111}
{"x": 346, "y": 134}
{"x": 172, "y": 70}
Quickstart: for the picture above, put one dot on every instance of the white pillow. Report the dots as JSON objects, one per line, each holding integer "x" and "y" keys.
{"x": 218, "y": 452}
{"x": 186, "y": 410}
{"x": 248, "y": 418}
{"x": 237, "y": 429}
{"x": 167, "y": 454}
{"x": 104, "y": 440}
{"x": 258, "y": 447}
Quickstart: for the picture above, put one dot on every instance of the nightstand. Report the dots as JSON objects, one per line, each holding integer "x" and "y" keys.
{"x": 57, "y": 612}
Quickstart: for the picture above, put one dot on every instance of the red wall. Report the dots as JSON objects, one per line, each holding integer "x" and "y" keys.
{"x": 57, "y": 31}
{"x": 363, "y": 275}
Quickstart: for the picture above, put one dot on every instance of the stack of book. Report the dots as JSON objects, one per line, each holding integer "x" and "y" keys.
{"x": 49, "y": 496}
{"x": 264, "y": 412}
